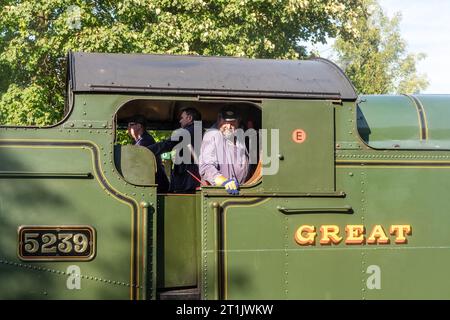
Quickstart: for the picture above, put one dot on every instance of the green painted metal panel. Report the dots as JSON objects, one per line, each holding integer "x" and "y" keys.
{"x": 402, "y": 188}
{"x": 177, "y": 241}
{"x": 436, "y": 114}
{"x": 62, "y": 201}
{"x": 388, "y": 121}
{"x": 261, "y": 259}
{"x": 67, "y": 176}
{"x": 405, "y": 122}
{"x": 346, "y": 130}
{"x": 418, "y": 274}
{"x": 307, "y": 166}
{"x": 253, "y": 252}
{"x": 256, "y": 274}
{"x": 136, "y": 164}
{"x": 209, "y": 249}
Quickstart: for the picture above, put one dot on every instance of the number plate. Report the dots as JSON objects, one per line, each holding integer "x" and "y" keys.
{"x": 56, "y": 243}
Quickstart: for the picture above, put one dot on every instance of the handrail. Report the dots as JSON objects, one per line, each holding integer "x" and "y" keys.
{"x": 26, "y": 174}
{"x": 344, "y": 209}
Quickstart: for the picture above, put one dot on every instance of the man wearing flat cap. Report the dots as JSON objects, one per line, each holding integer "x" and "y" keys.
{"x": 137, "y": 131}
{"x": 223, "y": 158}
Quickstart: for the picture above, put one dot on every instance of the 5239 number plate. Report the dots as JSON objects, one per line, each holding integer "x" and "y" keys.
{"x": 56, "y": 243}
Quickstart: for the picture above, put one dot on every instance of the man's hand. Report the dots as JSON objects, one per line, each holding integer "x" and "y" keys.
{"x": 231, "y": 185}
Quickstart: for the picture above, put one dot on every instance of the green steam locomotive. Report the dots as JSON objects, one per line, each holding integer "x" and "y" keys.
{"x": 348, "y": 198}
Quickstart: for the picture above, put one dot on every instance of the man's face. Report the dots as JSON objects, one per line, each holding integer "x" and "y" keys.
{"x": 185, "y": 119}
{"x": 134, "y": 130}
{"x": 228, "y": 128}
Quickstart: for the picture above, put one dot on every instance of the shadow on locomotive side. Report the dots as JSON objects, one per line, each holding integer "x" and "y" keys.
{"x": 356, "y": 208}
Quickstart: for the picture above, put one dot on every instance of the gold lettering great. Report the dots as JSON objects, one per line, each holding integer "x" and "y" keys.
{"x": 306, "y": 235}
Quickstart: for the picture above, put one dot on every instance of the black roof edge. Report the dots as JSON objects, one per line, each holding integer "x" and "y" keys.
{"x": 344, "y": 89}
{"x": 341, "y": 72}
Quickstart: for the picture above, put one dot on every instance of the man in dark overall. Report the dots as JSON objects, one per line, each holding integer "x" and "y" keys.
{"x": 185, "y": 177}
{"x": 136, "y": 130}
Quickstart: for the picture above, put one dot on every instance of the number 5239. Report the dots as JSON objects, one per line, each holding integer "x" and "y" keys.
{"x": 53, "y": 243}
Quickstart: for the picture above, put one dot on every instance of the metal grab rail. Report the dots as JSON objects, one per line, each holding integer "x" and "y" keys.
{"x": 344, "y": 209}
{"x": 67, "y": 175}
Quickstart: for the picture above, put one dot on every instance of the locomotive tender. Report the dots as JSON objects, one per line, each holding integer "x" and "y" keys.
{"x": 357, "y": 208}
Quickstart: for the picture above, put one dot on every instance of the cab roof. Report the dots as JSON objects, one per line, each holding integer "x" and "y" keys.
{"x": 200, "y": 75}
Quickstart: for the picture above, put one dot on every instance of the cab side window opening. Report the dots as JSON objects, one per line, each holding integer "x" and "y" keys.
{"x": 163, "y": 118}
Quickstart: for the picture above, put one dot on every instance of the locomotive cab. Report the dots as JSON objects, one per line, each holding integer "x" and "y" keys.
{"x": 177, "y": 214}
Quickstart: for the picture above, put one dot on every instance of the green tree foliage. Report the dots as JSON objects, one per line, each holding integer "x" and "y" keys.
{"x": 35, "y": 35}
{"x": 123, "y": 137}
{"x": 376, "y": 59}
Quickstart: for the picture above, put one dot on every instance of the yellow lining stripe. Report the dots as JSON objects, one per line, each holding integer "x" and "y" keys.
{"x": 421, "y": 117}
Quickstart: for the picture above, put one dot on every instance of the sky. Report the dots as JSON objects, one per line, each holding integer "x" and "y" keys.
{"x": 425, "y": 26}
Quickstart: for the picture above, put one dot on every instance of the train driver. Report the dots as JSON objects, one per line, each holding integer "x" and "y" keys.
{"x": 223, "y": 157}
